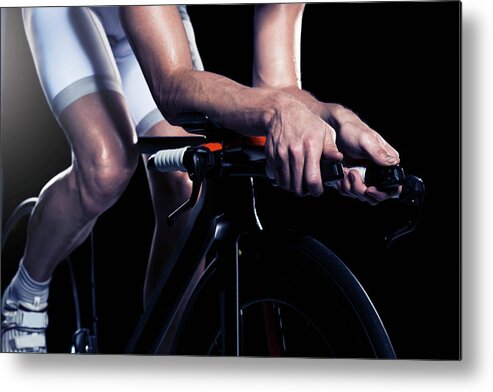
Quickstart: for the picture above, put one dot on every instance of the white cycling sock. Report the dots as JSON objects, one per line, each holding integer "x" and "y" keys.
{"x": 24, "y": 288}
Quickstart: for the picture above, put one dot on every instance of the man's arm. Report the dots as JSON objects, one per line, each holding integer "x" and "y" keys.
{"x": 278, "y": 66}
{"x": 161, "y": 46}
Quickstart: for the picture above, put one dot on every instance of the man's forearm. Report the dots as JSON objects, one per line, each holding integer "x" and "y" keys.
{"x": 225, "y": 102}
{"x": 160, "y": 43}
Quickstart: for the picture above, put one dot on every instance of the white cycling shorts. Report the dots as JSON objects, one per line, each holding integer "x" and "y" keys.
{"x": 81, "y": 50}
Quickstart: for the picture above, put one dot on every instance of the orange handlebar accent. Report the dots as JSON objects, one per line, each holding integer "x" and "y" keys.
{"x": 213, "y": 146}
{"x": 258, "y": 141}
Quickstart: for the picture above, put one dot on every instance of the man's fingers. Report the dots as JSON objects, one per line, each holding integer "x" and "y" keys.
{"x": 278, "y": 163}
{"x": 376, "y": 194}
{"x": 283, "y": 174}
{"x": 381, "y": 196}
{"x": 358, "y": 187}
{"x": 332, "y": 153}
{"x": 330, "y": 150}
{"x": 385, "y": 157}
{"x": 311, "y": 174}
{"x": 379, "y": 151}
{"x": 296, "y": 161}
{"x": 346, "y": 184}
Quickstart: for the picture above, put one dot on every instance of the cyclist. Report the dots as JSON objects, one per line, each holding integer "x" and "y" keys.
{"x": 96, "y": 89}
{"x": 97, "y": 92}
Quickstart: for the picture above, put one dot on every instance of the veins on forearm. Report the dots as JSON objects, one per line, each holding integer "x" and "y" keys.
{"x": 227, "y": 103}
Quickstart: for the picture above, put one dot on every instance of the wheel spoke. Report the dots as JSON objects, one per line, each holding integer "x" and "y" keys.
{"x": 297, "y": 300}
{"x": 273, "y": 329}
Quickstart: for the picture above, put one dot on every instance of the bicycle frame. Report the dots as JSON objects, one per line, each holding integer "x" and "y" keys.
{"x": 227, "y": 209}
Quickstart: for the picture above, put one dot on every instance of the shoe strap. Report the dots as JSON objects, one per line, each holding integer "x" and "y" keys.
{"x": 25, "y": 319}
{"x": 31, "y": 341}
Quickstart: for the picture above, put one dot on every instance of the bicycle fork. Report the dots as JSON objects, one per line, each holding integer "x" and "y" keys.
{"x": 229, "y": 228}
{"x": 227, "y": 237}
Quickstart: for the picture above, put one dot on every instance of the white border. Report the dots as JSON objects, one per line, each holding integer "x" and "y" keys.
{"x": 474, "y": 373}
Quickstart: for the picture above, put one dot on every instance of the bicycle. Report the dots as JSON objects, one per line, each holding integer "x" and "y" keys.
{"x": 294, "y": 276}
{"x": 265, "y": 293}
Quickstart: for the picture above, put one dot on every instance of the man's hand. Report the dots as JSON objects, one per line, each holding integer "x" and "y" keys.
{"x": 278, "y": 67}
{"x": 296, "y": 141}
{"x": 361, "y": 145}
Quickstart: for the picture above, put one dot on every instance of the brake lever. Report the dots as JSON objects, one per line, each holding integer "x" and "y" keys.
{"x": 412, "y": 194}
{"x": 198, "y": 162}
{"x": 189, "y": 204}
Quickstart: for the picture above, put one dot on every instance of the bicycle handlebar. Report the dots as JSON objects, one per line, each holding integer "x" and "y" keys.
{"x": 211, "y": 160}
{"x": 382, "y": 177}
{"x": 167, "y": 161}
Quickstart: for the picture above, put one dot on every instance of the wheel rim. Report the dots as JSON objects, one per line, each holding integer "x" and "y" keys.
{"x": 263, "y": 336}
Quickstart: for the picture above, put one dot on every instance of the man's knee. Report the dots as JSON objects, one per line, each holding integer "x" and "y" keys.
{"x": 102, "y": 180}
{"x": 180, "y": 185}
{"x": 169, "y": 191}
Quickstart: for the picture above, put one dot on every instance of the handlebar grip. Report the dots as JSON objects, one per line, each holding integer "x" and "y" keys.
{"x": 167, "y": 161}
{"x": 383, "y": 177}
{"x": 329, "y": 170}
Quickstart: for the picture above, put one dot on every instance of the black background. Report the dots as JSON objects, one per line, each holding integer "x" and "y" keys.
{"x": 397, "y": 65}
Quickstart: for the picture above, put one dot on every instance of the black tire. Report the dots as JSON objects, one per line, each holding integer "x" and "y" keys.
{"x": 24, "y": 208}
{"x": 311, "y": 303}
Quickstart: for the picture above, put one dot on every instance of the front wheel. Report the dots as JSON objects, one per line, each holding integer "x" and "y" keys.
{"x": 297, "y": 299}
